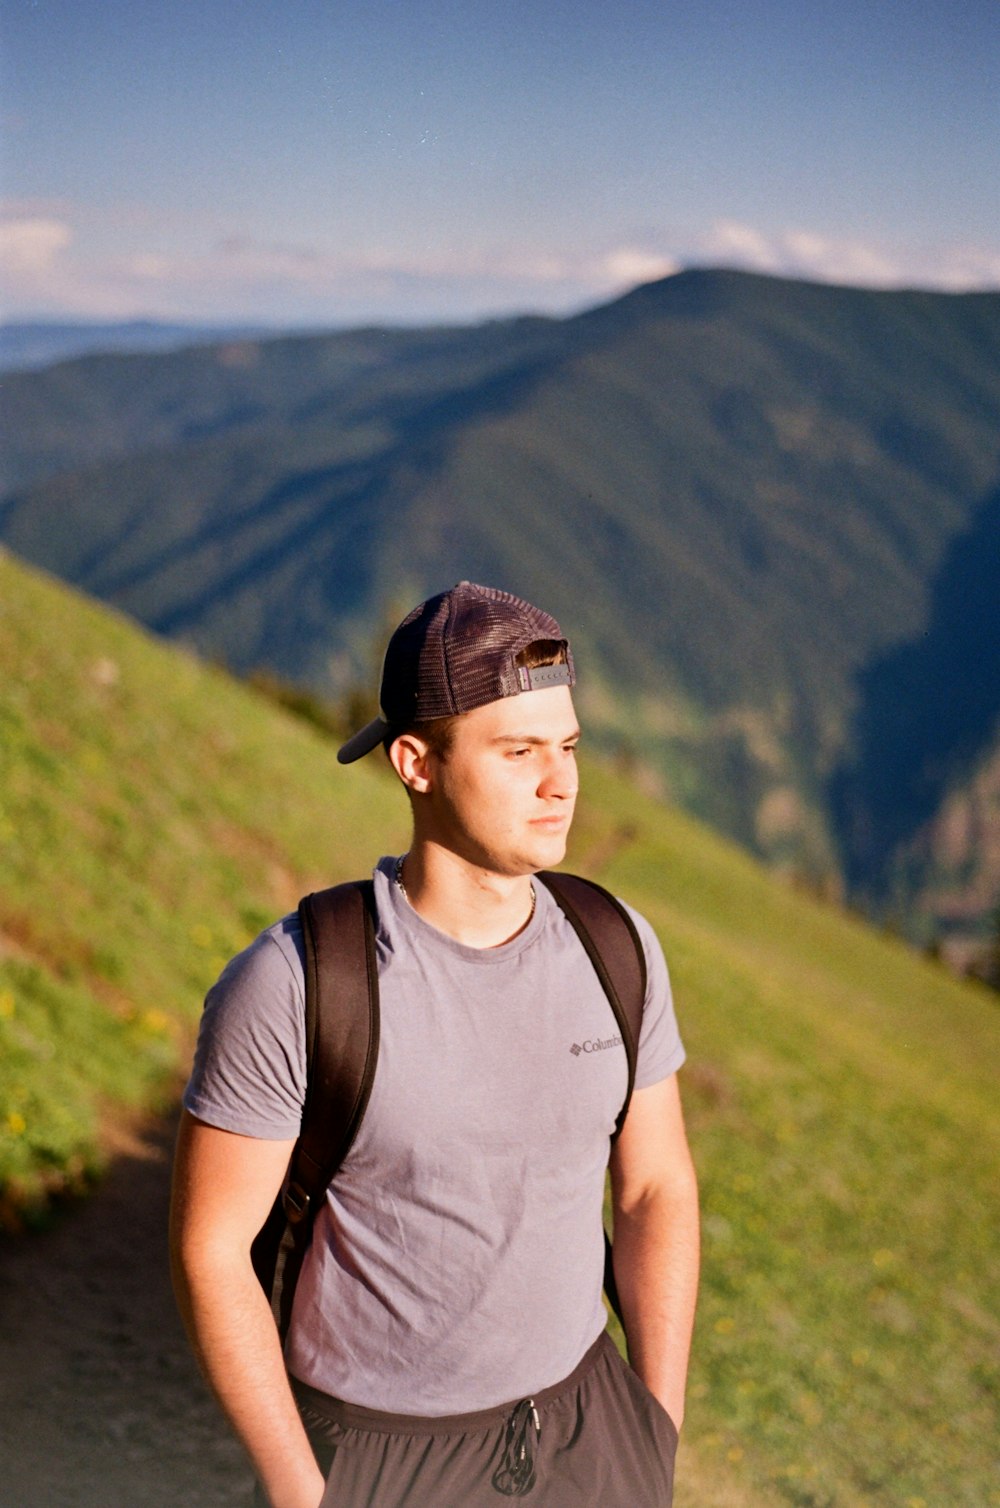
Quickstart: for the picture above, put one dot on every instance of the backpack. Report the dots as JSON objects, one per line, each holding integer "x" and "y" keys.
{"x": 342, "y": 1037}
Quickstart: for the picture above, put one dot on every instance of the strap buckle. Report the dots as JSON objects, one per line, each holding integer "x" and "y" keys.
{"x": 295, "y": 1202}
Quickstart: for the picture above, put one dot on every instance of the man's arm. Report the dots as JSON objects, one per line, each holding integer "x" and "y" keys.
{"x": 224, "y": 1186}
{"x": 655, "y": 1204}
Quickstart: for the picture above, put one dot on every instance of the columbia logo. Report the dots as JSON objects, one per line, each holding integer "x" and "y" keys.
{"x": 595, "y": 1044}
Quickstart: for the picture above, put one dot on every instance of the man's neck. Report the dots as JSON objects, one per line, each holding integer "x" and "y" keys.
{"x": 464, "y": 900}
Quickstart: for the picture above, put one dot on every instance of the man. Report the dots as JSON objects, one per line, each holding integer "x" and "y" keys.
{"x": 447, "y": 1342}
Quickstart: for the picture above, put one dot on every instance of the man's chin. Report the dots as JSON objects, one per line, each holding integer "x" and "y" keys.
{"x": 551, "y": 851}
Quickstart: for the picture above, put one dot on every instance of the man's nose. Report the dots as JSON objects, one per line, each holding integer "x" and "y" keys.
{"x": 560, "y": 779}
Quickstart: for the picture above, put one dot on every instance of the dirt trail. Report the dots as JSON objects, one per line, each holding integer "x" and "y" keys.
{"x": 101, "y": 1404}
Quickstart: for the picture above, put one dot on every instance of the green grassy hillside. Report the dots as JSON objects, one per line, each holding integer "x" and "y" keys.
{"x": 840, "y": 1090}
{"x": 153, "y": 817}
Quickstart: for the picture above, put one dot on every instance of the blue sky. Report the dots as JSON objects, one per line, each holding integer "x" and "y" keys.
{"x": 328, "y": 161}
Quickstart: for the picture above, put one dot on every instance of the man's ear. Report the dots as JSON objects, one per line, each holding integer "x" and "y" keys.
{"x": 409, "y": 757}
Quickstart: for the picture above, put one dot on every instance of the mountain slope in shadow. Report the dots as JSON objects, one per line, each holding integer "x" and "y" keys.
{"x": 928, "y": 711}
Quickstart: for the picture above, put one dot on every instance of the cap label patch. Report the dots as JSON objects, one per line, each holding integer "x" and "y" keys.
{"x": 544, "y": 675}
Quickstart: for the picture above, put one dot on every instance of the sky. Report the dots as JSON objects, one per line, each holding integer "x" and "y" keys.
{"x": 326, "y": 162}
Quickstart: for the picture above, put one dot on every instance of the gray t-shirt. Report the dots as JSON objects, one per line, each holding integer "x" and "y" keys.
{"x": 458, "y": 1260}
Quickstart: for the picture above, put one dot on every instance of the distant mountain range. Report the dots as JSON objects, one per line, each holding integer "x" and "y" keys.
{"x": 37, "y": 343}
{"x": 769, "y": 512}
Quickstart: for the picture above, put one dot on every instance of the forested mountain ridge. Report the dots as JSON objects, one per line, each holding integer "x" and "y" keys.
{"x": 766, "y": 509}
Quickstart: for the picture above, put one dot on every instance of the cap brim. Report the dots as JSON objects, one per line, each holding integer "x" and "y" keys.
{"x": 362, "y": 743}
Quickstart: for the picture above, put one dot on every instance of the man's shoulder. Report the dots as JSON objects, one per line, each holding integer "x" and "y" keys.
{"x": 249, "y": 1073}
{"x": 274, "y": 959}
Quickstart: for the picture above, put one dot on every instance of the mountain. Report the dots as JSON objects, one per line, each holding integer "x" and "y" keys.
{"x": 765, "y": 509}
{"x": 38, "y": 343}
{"x": 840, "y": 1091}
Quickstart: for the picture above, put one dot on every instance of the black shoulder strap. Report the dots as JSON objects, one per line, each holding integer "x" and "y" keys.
{"x": 342, "y": 1028}
{"x": 342, "y": 1034}
{"x": 614, "y": 947}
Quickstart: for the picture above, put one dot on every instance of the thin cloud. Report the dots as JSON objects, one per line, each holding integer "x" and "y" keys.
{"x": 628, "y": 265}
{"x": 239, "y": 274}
{"x": 730, "y": 241}
{"x": 57, "y": 262}
{"x": 800, "y": 252}
{"x": 31, "y": 246}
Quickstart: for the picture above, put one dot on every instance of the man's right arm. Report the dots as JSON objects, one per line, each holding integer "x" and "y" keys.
{"x": 224, "y": 1187}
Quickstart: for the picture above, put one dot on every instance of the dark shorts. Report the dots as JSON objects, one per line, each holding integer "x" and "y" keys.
{"x": 599, "y": 1439}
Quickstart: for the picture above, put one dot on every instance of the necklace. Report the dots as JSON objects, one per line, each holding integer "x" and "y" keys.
{"x": 398, "y": 876}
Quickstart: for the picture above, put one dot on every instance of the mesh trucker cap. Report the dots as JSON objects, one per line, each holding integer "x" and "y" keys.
{"x": 457, "y": 651}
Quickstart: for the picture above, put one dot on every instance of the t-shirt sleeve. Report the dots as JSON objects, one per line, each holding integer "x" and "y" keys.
{"x": 249, "y": 1071}
{"x": 661, "y": 1051}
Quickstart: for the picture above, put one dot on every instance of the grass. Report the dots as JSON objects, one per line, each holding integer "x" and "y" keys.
{"x": 153, "y": 817}
{"x": 840, "y": 1090}
{"x": 841, "y": 1104}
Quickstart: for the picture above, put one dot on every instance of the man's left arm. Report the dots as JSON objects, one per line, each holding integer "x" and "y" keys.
{"x": 656, "y": 1242}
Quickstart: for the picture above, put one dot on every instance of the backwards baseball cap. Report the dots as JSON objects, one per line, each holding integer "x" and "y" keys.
{"x": 455, "y": 652}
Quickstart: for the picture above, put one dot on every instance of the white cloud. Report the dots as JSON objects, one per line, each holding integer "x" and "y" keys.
{"x": 128, "y": 267}
{"x": 31, "y": 245}
{"x": 628, "y": 265}
{"x": 67, "y": 260}
{"x": 798, "y": 251}
{"x": 832, "y": 259}
{"x": 730, "y": 241}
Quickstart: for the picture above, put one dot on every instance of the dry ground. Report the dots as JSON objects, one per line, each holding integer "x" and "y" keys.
{"x": 101, "y": 1404}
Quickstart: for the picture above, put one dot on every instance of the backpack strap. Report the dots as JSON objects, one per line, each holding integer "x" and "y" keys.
{"x": 342, "y": 1036}
{"x": 609, "y": 936}
{"x": 614, "y": 947}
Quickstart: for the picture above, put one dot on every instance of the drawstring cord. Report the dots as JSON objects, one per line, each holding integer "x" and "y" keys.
{"x": 515, "y": 1476}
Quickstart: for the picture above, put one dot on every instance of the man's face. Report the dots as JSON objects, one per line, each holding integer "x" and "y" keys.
{"x": 503, "y": 795}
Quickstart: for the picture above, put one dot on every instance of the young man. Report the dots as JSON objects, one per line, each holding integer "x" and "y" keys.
{"x": 447, "y": 1344}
